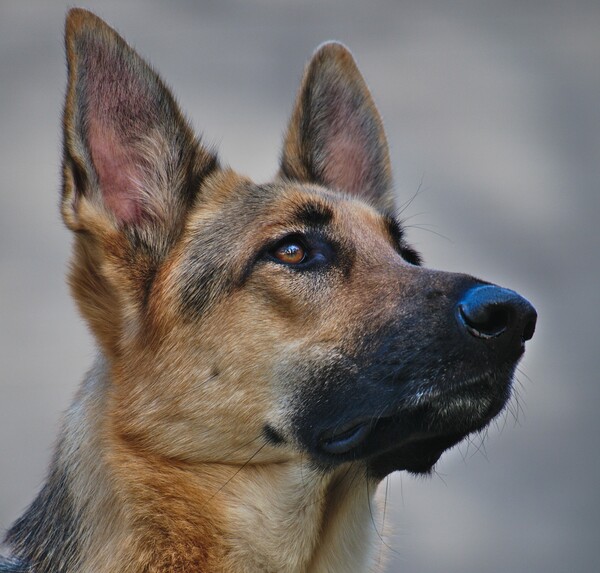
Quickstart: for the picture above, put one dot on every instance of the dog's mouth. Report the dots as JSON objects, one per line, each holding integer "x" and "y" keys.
{"x": 414, "y": 434}
{"x": 343, "y": 439}
{"x": 388, "y": 444}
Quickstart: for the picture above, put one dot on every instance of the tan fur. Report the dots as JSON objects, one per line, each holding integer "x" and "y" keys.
{"x": 157, "y": 514}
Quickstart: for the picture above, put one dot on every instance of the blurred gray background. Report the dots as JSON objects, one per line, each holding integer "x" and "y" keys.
{"x": 492, "y": 107}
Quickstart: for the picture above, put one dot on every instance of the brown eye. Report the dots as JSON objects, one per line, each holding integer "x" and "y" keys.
{"x": 291, "y": 253}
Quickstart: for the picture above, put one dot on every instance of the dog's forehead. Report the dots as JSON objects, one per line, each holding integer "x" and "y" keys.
{"x": 243, "y": 205}
{"x": 315, "y": 205}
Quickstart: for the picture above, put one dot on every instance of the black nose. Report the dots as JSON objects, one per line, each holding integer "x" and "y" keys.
{"x": 489, "y": 312}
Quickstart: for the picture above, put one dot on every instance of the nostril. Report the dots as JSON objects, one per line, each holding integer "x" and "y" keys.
{"x": 485, "y": 321}
{"x": 489, "y": 311}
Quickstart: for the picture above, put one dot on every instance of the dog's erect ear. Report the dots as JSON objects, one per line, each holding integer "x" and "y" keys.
{"x": 335, "y": 136}
{"x": 132, "y": 169}
{"x": 130, "y": 159}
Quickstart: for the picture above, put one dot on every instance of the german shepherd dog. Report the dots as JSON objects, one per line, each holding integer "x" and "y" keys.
{"x": 266, "y": 353}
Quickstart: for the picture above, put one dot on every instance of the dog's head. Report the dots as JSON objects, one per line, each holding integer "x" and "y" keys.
{"x": 268, "y": 322}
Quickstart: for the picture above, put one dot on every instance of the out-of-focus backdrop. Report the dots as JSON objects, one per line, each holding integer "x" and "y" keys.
{"x": 491, "y": 108}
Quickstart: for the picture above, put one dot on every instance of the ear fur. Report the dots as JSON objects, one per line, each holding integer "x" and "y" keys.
{"x": 131, "y": 171}
{"x": 335, "y": 136}
{"x": 129, "y": 154}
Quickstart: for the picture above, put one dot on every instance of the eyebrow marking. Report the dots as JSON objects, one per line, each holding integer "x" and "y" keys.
{"x": 394, "y": 229}
{"x": 312, "y": 215}
{"x": 397, "y": 234}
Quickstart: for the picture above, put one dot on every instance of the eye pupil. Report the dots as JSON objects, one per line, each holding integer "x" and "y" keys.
{"x": 290, "y": 253}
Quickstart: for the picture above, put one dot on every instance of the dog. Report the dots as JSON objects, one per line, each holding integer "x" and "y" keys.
{"x": 267, "y": 354}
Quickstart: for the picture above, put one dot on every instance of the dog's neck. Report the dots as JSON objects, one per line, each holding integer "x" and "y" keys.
{"x": 118, "y": 504}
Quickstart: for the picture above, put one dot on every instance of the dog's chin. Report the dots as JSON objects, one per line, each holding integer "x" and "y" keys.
{"x": 417, "y": 457}
{"x": 413, "y": 437}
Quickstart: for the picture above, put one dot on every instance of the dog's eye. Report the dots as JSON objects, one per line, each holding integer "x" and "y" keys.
{"x": 290, "y": 252}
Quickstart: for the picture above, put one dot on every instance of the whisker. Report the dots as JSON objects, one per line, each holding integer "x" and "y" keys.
{"x": 480, "y": 447}
{"x": 524, "y": 374}
{"x": 385, "y": 500}
{"x": 424, "y": 227}
{"x": 374, "y": 524}
{"x": 440, "y": 476}
{"x": 405, "y": 219}
{"x": 338, "y": 484}
{"x": 246, "y": 444}
{"x": 238, "y": 471}
{"x": 410, "y": 200}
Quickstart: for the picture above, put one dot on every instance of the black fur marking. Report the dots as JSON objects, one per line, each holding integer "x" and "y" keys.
{"x": 141, "y": 244}
{"x": 147, "y": 284}
{"x": 199, "y": 173}
{"x": 313, "y": 215}
{"x": 209, "y": 270}
{"x": 272, "y": 436}
{"x": 394, "y": 229}
{"x": 411, "y": 256}
{"x": 397, "y": 234}
{"x": 46, "y": 537}
{"x": 207, "y": 278}
{"x": 306, "y": 133}
{"x": 12, "y": 565}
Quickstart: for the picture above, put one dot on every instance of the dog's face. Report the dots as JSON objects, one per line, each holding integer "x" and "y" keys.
{"x": 269, "y": 322}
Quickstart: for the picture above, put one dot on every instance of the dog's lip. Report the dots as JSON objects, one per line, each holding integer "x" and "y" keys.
{"x": 345, "y": 437}
{"x": 347, "y": 441}
{"x": 409, "y": 422}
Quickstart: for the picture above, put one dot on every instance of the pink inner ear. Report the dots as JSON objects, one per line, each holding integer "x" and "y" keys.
{"x": 347, "y": 164}
{"x": 121, "y": 103}
{"x": 118, "y": 171}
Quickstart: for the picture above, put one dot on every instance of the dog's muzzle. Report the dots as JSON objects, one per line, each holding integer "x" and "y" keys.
{"x": 422, "y": 390}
